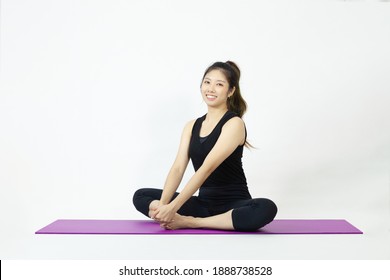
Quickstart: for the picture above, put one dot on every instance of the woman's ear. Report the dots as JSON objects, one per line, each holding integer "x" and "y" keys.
{"x": 232, "y": 92}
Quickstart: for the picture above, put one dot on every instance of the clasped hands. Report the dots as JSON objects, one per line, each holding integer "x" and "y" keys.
{"x": 163, "y": 214}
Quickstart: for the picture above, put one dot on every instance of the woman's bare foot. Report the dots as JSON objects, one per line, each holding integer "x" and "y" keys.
{"x": 152, "y": 207}
{"x": 180, "y": 221}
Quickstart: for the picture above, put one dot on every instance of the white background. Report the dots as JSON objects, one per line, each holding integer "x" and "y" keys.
{"x": 94, "y": 96}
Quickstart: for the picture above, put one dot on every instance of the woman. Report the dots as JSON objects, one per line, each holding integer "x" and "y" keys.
{"x": 214, "y": 143}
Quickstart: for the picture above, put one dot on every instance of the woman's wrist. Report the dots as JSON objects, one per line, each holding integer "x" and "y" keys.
{"x": 164, "y": 200}
{"x": 174, "y": 205}
{"x": 161, "y": 203}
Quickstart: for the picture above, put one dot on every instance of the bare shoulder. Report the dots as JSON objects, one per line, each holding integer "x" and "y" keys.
{"x": 234, "y": 130}
{"x": 188, "y": 127}
{"x": 235, "y": 123}
{"x": 190, "y": 124}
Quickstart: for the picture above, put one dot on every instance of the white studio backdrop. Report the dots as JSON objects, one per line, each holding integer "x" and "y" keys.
{"x": 94, "y": 96}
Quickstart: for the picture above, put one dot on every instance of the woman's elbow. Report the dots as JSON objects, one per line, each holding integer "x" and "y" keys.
{"x": 207, "y": 169}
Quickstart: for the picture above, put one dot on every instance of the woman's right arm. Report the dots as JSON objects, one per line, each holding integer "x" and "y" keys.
{"x": 179, "y": 166}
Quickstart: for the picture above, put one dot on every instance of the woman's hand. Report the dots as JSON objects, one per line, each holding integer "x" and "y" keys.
{"x": 164, "y": 214}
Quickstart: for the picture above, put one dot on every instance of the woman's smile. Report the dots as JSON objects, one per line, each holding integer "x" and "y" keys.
{"x": 211, "y": 97}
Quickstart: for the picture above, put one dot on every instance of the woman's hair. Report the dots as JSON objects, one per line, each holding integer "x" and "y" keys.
{"x": 231, "y": 71}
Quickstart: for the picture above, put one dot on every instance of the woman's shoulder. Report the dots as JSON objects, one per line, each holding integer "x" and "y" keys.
{"x": 234, "y": 119}
{"x": 235, "y": 122}
{"x": 190, "y": 124}
{"x": 235, "y": 127}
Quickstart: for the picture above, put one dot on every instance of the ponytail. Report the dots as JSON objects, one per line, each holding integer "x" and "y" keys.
{"x": 236, "y": 102}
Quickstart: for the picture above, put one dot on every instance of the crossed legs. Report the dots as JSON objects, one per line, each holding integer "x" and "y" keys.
{"x": 240, "y": 215}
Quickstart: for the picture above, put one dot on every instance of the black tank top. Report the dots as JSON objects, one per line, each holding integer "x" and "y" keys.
{"x": 228, "y": 181}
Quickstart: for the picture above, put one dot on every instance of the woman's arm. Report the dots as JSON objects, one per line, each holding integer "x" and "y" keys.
{"x": 179, "y": 166}
{"x": 232, "y": 135}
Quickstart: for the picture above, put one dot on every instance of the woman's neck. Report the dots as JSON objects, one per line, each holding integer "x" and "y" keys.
{"x": 215, "y": 114}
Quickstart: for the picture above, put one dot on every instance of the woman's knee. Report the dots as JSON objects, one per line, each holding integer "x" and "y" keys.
{"x": 137, "y": 197}
{"x": 254, "y": 216}
{"x": 143, "y": 197}
{"x": 270, "y": 208}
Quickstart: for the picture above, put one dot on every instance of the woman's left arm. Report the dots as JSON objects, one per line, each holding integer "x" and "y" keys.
{"x": 232, "y": 135}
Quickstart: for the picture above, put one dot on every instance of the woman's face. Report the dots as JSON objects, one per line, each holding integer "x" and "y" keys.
{"x": 215, "y": 89}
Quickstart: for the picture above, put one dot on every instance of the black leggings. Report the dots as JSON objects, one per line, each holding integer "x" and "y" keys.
{"x": 247, "y": 215}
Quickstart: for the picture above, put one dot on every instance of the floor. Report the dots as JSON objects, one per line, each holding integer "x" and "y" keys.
{"x": 369, "y": 212}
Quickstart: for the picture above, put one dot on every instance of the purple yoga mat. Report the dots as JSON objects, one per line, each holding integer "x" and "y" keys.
{"x": 151, "y": 227}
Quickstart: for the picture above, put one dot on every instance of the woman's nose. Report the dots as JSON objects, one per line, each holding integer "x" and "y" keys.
{"x": 210, "y": 88}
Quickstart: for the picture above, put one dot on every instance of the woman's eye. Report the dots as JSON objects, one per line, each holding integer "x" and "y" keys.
{"x": 206, "y": 82}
